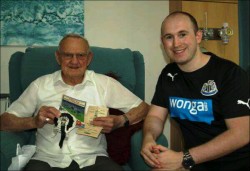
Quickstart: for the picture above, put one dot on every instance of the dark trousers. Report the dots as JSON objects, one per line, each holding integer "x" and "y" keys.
{"x": 236, "y": 165}
{"x": 102, "y": 163}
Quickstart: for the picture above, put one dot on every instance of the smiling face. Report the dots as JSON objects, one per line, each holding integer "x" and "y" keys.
{"x": 180, "y": 40}
{"x": 74, "y": 57}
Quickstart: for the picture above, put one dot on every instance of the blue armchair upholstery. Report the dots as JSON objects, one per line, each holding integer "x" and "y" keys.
{"x": 24, "y": 67}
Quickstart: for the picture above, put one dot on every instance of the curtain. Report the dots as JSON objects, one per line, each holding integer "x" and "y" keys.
{"x": 243, "y": 13}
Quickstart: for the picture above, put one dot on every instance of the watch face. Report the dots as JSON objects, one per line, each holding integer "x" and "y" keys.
{"x": 188, "y": 164}
{"x": 188, "y": 161}
{"x": 126, "y": 124}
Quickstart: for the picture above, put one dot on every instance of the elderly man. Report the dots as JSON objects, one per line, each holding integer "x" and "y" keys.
{"x": 44, "y": 96}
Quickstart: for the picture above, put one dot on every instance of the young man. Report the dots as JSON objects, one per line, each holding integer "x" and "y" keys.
{"x": 43, "y": 97}
{"x": 208, "y": 96}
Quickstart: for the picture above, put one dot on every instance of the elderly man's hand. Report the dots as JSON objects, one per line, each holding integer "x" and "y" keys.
{"x": 108, "y": 123}
{"x": 46, "y": 115}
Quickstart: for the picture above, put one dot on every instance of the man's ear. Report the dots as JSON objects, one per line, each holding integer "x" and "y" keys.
{"x": 58, "y": 59}
{"x": 90, "y": 57}
{"x": 199, "y": 36}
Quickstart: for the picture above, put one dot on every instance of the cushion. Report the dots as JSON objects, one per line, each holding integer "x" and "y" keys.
{"x": 39, "y": 59}
{"x": 118, "y": 61}
{"x": 119, "y": 140}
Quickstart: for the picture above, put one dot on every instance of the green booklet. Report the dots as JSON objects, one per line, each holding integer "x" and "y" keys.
{"x": 74, "y": 107}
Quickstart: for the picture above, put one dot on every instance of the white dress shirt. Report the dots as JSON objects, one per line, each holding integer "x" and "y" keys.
{"x": 97, "y": 90}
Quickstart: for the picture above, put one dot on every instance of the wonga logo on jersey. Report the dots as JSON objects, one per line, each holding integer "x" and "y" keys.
{"x": 200, "y": 110}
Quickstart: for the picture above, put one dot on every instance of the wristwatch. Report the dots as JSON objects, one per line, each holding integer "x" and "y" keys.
{"x": 188, "y": 161}
{"x": 126, "y": 123}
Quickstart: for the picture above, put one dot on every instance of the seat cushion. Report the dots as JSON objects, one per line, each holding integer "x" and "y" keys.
{"x": 119, "y": 140}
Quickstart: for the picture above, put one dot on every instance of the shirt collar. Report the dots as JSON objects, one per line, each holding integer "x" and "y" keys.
{"x": 88, "y": 79}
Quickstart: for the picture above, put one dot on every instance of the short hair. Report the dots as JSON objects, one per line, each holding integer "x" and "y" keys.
{"x": 73, "y": 35}
{"x": 192, "y": 19}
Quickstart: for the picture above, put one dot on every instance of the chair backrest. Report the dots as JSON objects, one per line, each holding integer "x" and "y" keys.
{"x": 127, "y": 65}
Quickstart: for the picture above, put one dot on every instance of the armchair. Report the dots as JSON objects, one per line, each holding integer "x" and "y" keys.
{"x": 127, "y": 65}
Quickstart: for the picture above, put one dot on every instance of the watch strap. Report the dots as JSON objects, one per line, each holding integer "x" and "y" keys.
{"x": 188, "y": 161}
{"x": 126, "y": 123}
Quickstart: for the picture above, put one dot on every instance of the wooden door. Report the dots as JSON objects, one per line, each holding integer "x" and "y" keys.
{"x": 217, "y": 14}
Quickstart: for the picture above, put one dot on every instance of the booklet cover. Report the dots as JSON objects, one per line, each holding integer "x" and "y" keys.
{"x": 72, "y": 116}
{"x": 74, "y": 107}
{"x": 89, "y": 129}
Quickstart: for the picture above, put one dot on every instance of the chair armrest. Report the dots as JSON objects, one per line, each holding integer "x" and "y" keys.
{"x": 9, "y": 141}
{"x": 136, "y": 161}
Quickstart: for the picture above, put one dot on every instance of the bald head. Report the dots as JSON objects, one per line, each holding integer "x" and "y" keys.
{"x": 72, "y": 35}
{"x": 179, "y": 13}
